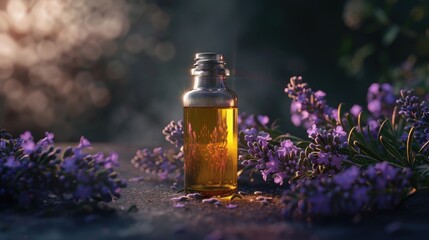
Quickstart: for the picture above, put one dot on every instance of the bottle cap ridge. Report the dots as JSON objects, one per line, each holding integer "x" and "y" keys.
{"x": 209, "y": 63}
{"x": 210, "y": 56}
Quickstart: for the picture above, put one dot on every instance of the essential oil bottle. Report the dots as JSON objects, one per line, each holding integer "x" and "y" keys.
{"x": 210, "y": 129}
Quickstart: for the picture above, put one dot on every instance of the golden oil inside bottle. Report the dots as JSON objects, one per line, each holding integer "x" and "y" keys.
{"x": 210, "y": 150}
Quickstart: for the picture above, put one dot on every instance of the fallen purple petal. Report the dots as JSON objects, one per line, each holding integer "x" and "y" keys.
{"x": 179, "y": 205}
{"x": 231, "y": 206}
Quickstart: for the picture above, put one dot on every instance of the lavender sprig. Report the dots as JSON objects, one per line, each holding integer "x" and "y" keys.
{"x": 163, "y": 164}
{"x": 259, "y": 149}
{"x": 416, "y": 113}
{"x": 381, "y": 100}
{"x": 287, "y": 163}
{"x": 37, "y": 172}
{"x": 325, "y": 152}
{"x": 309, "y": 107}
{"x": 282, "y": 163}
{"x": 380, "y": 186}
{"x": 380, "y": 105}
{"x": 174, "y": 133}
{"x": 248, "y": 121}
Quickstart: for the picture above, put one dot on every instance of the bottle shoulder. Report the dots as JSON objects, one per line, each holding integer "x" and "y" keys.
{"x": 220, "y": 97}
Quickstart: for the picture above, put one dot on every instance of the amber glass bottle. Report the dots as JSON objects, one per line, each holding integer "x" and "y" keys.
{"x": 210, "y": 127}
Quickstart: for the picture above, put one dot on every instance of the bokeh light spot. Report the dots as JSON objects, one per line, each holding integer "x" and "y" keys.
{"x": 165, "y": 51}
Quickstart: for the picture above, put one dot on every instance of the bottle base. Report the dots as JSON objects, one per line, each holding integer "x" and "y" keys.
{"x": 212, "y": 191}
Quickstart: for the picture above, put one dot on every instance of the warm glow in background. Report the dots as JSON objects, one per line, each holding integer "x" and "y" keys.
{"x": 59, "y": 59}
{"x": 115, "y": 70}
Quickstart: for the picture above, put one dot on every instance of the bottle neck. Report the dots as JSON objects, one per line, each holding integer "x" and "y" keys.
{"x": 215, "y": 82}
{"x": 209, "y": 71}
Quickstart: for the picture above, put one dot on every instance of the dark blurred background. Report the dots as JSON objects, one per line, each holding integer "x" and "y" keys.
{"x": 115, "y": 70}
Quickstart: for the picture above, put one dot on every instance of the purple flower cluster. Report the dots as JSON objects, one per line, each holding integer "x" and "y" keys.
{"x": 174, "y": 133}
{"x": 90, "y": 176}
{"x": 380, "y": 186}
{"x": 381, "y": 100}
{"x": 258, "y": 148}
{"x": 372, "y": 122}
{"x": 163, "y": 164}
{"x": 248, "y": 121}
{"x": 284, "y": 162}
{"x": 287, "y": 162}
{"x": 309, "y": 107}
{"x": 325, "y": 149}
{"x": 416, "y": 113}
{"x": 36, "y": 172}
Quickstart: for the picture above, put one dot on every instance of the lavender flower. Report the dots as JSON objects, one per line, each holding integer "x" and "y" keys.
{"x": 380, "y": 186}
{"x": 35, "y": 172}
{"x": 355, "y": 110}
{"x": 309, "y": 107}
{"x": 325, "y": 155}
{"x": 91, "y": 176}
{"x": 174, "y": 133}
{"x": 416, "y": 113}
{"x": 159, "y": 162}
{"x": 248, "y": 121}
{"x": 283, "y": 162}
{"x": 259, "y": 150}
{"x": 381, "y": 99}
{"x": 287, "y": 163}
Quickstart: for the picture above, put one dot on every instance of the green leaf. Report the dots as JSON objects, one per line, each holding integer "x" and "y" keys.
{"x": 392, "y": 150}
{"x": 423, "y": 171}
{"x": 349, "y": 139}
{"x": 357, "y": 135}
{"x": 386, "y": 131}
{"x": 424, "y": 146}
{"x": 372, "y": 142}
{"x": 383, "y": 127}
{"x": 367, "y": 160}
{"x": 420, "y": 159}
{"x": 394, "y": 116}
{"x": 359, "y": 121}
{"x": 339, "y": 121}
{"x": 410, "y": 158}
{"x": 349, "y": 120}
{"x": 368, "y": 151}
